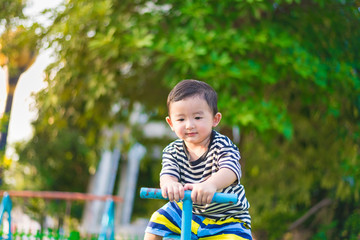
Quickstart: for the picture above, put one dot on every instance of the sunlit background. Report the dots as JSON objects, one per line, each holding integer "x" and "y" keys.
{"x": 287, "y": 77}
{"x": 31, "y": 82}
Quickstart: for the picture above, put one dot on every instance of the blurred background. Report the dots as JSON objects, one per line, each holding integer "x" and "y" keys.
{"x": 83, "y": 90}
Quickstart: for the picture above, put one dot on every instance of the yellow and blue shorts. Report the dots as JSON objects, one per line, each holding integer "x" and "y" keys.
{"x": 167, "y": 221}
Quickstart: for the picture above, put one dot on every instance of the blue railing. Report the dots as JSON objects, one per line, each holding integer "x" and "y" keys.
{"x": 155, "y": 193}
{"x": 107, "y": 222}
{"x": 6, "y": 206}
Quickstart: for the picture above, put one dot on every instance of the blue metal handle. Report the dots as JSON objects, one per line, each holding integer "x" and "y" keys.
{"x": 6, "y": 206}
{"x": 155, "y": 193}
{"x": 107, "y": 222}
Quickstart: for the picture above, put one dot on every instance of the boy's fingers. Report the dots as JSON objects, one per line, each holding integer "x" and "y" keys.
{"x": 171, "y": 195}
{"x": 203, "y": 199}
{"x": 164, "y": 192}
{"x": 181, "y": 192}
{"x": 167, "y": 193}
{"x": 188, "y": 186}
{"x": 194, "y": 197}
{"x": 176, "y": 195}
{"x": 208, "y": 200}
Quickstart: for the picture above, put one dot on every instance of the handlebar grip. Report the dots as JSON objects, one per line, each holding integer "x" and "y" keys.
{"x": 155, "y": 193}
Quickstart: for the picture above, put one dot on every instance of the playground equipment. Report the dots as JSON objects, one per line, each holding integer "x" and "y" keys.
{"x": 6, "y": 206}
{"x": 155, "y": 193}
{"x": 107, "y": 224}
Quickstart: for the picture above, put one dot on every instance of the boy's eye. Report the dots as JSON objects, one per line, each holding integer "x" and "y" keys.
{"x": 180, "y": 119}
{"x": 198, "y": 118}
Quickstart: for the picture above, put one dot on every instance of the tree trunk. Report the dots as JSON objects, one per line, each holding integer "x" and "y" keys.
{"x": 12, "y": 82}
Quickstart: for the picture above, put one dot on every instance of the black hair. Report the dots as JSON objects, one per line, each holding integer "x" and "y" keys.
{"x": 189, "y": 88}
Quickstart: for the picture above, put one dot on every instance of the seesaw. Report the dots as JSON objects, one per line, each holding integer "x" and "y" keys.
{"x": 155, "y": 193}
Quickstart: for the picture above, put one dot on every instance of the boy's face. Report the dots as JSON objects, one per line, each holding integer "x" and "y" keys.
{"x": 192, "y": 120}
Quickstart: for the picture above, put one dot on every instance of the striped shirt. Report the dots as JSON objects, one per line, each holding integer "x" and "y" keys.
{"x": 222, "y": 153}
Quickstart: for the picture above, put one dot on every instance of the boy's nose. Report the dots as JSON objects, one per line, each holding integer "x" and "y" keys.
{"x": 189, "y": 124}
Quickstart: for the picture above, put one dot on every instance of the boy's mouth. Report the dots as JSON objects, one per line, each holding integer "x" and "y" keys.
{"x": 190, "y": 134}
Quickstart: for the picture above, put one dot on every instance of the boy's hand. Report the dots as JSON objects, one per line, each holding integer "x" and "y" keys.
{"x": 202, "y": 193}
{"x": 171, "y": 189}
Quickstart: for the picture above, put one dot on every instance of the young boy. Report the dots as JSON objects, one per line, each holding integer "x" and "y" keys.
{"x": 201, "y": 160}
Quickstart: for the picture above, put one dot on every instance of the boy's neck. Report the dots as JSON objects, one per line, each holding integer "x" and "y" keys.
{"x": 195, "y": 151}
{"x": 195, "y": 154}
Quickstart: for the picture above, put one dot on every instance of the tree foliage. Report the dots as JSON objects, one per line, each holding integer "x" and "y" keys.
{"x": 19, "y": 46}
{"x": 8, "y": 12}
{"x": 11, "y": 11}
{"x": 286, "y": 72}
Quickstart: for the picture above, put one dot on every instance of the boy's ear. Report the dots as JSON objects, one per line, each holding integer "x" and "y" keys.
{"x": 217, "y": 119}
{"x": 168, "y": 120}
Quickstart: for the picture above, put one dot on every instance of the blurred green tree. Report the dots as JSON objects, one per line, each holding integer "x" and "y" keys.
{"x": 18, "y": 49}
{"x": 10, "y": 11}
{"x": 287, "y": 75}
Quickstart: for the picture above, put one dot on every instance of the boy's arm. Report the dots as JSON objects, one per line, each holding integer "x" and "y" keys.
{"x": 171, "y": 188}
{"x": 202, "y": 193}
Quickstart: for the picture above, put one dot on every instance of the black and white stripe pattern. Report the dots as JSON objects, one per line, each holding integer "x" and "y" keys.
{"x": 222, "y": 154}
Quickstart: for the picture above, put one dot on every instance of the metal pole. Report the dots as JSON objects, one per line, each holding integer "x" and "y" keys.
{"x": 186, "y": 219}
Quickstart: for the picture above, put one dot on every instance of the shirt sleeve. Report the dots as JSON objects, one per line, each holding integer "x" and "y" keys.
{"x": 229, "y": 157}
{"x": 169, "y": 164}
